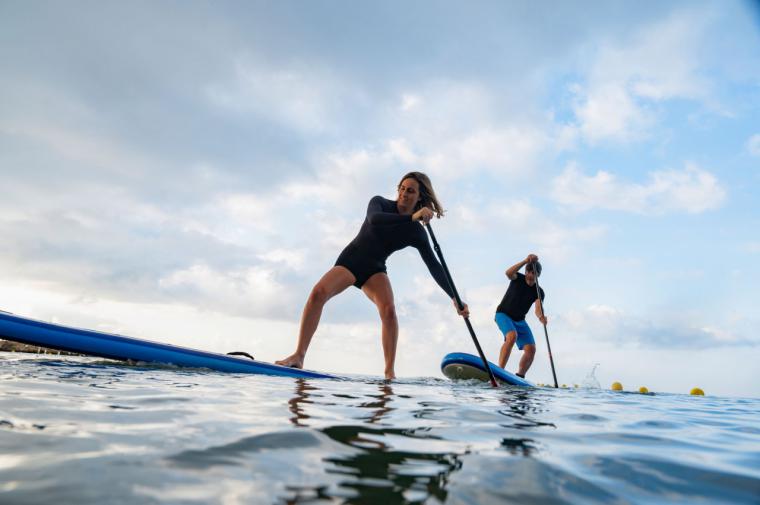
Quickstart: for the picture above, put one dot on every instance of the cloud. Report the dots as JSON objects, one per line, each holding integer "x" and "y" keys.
{"x": 615, "y": 99}
{"x": 455, "y": 129}
{"x": 293, "y": 259}
{"x": 509, "y": 152}
{"x": 254, "y": 291}
{"x": 530, "y": 225}
{"x": 409, "y": 102}
{"x": 692, "y": 190}
{"x": 485, "y": 228}
{"x": 603, "y": 323}
{"x": 110, "y": 245}
{"x": 753, "y": 145}
{"x": 303, "y": 97}
{"x": 609, "y": 111}
{"x": 752, "y": 247}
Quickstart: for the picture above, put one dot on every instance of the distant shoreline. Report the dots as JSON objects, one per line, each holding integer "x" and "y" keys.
{"x": 10, "y": 346}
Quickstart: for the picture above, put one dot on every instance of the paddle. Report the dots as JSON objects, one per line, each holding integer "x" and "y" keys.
{"x": 546, "y": 333}
{"x": 460, "y": 304}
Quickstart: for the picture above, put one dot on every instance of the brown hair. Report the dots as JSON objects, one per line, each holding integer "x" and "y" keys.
{"x": 427, "y": 194}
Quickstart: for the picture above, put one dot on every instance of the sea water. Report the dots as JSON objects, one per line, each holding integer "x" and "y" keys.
{"x": 87, "y": 431}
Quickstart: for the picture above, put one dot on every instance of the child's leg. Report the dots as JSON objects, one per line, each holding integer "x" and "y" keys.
{"x": 529, "y": 352}
{"x": 506, "y": 348}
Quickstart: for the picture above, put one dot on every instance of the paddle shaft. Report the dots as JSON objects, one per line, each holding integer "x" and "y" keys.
{"x": 546, "y": 333}
{"x": 460, "y": 304}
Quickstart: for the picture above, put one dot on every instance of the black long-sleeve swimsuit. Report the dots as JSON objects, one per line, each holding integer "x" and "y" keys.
{"x": 384, "y": 232}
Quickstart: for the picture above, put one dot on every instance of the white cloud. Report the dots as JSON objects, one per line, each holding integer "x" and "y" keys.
{"x": 508, "y": 152}
{"x": 253, "y": 291}
{"x": 692, "y": 190}
{"x": 300, "y": 97}
{"x": 613, "y": 326}
{"x": 661, "y": 62}
{"x": 501, "y": 151}
{"x": 752, "y": 247}
{"x": 456, "y": 129}
{"x": 402, "y": 151}
{"x": 753, "y": 145}
{"x": 95, "y": 153}
{"x": 529, "y": 225}
{"x": 341, "y": 176}
{"x": 193, "y": 325}
{"x": 609, "y": 111}
{"x": 244, "y": 212}
{"x": 290, "y": 258}
{"x": 409, "y": 102}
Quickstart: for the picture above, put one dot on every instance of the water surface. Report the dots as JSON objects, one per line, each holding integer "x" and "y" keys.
{"x": 80, "y": 430}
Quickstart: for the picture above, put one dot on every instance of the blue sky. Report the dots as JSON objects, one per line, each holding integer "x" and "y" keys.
{"x": 185, "y": 172}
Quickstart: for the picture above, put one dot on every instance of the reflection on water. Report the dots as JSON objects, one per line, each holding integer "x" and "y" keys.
{"x": 169, "y": 436}
{"x": 303, "y": 392}
{"x": 523, "y": 406}
{"x": 379, "y": 408}
{"x": 380, "y": 474}
{"x": 385, "y": 469}
{"x": 376, "y": 472}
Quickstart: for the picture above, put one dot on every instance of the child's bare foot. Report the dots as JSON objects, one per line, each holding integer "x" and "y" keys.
{"x": 293, "y": 361}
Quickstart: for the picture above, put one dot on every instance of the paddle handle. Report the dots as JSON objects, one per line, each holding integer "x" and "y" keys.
{"x": 460, "y": 304}
{"x": 546, "y": 332}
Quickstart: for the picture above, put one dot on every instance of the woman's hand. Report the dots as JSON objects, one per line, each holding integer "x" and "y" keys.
{"x": 532, "y": 258}
{"x": 464, "y": 312}
{"x": 424, "y": 215}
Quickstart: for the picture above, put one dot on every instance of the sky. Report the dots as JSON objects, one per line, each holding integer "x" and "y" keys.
{"x": 186, "y": 171}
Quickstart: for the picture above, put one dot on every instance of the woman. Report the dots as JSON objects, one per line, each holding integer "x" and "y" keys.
{"x": 390, "y": 225}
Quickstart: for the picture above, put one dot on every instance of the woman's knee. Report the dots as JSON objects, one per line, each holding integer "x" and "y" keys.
{"x": 387, "y": 312}
{"x": 529, "y": 350}
{"x": 319, "y": 295}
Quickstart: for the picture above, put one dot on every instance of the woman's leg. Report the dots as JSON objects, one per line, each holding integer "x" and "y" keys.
{"x": 333, "y": 282}
{"x": 378, "y": 289}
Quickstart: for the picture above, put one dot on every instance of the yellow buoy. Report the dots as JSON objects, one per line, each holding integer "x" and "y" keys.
{"x": 643, "y": 390}
{"x": 616, "y": 386}
{"x": 697, "y": 391}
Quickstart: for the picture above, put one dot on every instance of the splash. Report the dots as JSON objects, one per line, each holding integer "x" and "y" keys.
{"x": 590, "y": 381}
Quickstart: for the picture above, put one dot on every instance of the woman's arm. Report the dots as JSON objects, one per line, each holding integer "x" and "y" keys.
{"x": 435, "y": 268}
{"x": 376, "y": 215}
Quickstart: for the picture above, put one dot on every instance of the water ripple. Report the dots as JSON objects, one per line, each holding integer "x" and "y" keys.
{"x": 77, "y": 430}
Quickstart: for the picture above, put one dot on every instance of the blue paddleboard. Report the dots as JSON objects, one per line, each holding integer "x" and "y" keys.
{"x": 106, "y": 345}
{"x": 463, "y": 366}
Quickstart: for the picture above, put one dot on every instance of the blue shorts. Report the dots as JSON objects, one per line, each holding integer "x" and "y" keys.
{"x": 524, "y": 335}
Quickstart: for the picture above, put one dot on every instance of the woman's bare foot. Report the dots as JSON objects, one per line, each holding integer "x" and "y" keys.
{"x": 390, "y": 375}
{"x": 293, "y": 361}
